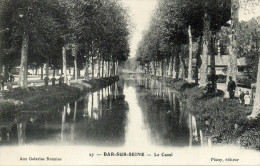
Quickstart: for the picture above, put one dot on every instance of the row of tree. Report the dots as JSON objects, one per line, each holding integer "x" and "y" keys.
{"x": 181, "y": 30}
{"x": 176, "y": 25}
{"x": 61, "y": 33}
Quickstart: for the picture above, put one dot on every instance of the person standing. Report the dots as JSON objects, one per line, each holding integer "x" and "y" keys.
{"x": 61, "y": 80}
{"x": 231, "y": 88}
{"x": 46, "y": 81}
{"x": 11, "y": 77}
{"x": 53, "y": 81}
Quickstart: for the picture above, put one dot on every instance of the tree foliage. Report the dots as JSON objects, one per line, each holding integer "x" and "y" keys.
{"x": 98, "y": 28}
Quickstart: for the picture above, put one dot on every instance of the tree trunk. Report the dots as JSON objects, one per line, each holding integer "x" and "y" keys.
{"x": 1, "y": 63}
{"x": 219, "y": 52}
{"x": 42, "y": 72}
{"x": 86, "y": 76}
{"x": 99, "y": 66}
{"x": 232, "y": 65}
{"x": 105, "y": 66}
{"x": 198, "y": 60}
{"x": 256, "y": 110}
{"x": 114, "y": 68}
{"x": 47, "y": 66}
{"x": 162, "y": 73}
{"x": 108, "y": 68}
{"x": 6, "y": 72}
{"x": 117, "y": 68}
{"x": 64, "y": 61}
{"x": 93, "y": 65}
{"x": 167, "y": 65}
{"x": 190, "y": 56}
{"x": 183, "y": 67}
{"x": 212, "y": 63}
{"x": 74, "y": 54}
{"x": 205, "y": 46}
{"x": 24, "y": 58}
{"x": 177, "y": 63}
{"x": 53, "y": 74}
{"x": 171, "y": 66}
{"x": 154, "y": 69}
{"x": 103, "y": 62}
{"x": 74, "y": 71}
{"x": 181, "y": 72}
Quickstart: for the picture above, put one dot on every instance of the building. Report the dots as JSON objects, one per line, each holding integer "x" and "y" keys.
{"x": 221, "y": 64}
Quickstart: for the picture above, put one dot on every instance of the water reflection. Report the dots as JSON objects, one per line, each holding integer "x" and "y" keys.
{"x": 140, "y": 112}
{"x": 21, "y": 128}
{"x": 137, "y": 130}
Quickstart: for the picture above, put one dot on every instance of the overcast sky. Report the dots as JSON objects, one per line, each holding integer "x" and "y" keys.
{"x": 141, "y": 12}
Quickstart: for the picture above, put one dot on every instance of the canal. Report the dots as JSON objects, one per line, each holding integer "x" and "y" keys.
{"x": 133, "y": 111}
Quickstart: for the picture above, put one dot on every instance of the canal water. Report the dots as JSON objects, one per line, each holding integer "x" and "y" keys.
{"x": 133, "y": 111}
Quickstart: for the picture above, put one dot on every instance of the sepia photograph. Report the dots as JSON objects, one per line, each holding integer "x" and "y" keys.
{"x": 129, "y": 82}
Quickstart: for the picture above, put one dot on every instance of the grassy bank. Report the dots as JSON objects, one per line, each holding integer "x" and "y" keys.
{"x": 45, "y": 97}
{"x": 224, "y": 120}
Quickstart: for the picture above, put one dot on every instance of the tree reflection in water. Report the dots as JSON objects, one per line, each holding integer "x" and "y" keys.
{"x": 139, "y": 111}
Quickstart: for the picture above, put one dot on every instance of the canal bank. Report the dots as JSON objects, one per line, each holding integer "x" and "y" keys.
{"x": 223, "y": 120}
{"x": 45, "y": 97}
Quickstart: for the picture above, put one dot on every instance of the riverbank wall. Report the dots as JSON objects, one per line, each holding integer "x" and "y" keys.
{"x": 223, "y": 120}
{"x": 43, "y": 98}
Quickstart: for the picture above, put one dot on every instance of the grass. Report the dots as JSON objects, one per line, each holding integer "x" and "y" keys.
{"x": 7, "y": 110}
{"x": 224, "y": 120}
{"x": 45, "y": 97}
{"x": 42, "y": 97}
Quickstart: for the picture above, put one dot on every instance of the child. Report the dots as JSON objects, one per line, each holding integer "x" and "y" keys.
{"x": 247, "y": 98}
{"x": 242, "y": 97}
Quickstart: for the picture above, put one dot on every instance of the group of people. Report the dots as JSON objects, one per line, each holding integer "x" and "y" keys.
{"x": 7, "y": 78}
{"x": 244, "y": 98}
{"x": 53, "y": 80}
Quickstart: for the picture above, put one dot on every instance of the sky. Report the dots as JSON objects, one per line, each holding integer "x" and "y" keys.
{"x": 251, "y": 11}
{"x": 141, "y": 11}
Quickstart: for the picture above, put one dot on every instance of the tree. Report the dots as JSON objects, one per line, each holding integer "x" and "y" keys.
{"x": 170, "y": 28}
{"x": 33, "y": 20}
{"x": 232, "y": 65}
{"x": 205, "y": 47}
{"x": 256, "y": 110}
{"x": 247, "y": 38}
{"x": 190, "y": 55}
{"x": 45, "y": 31}
{"x": 256, "y": 52}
